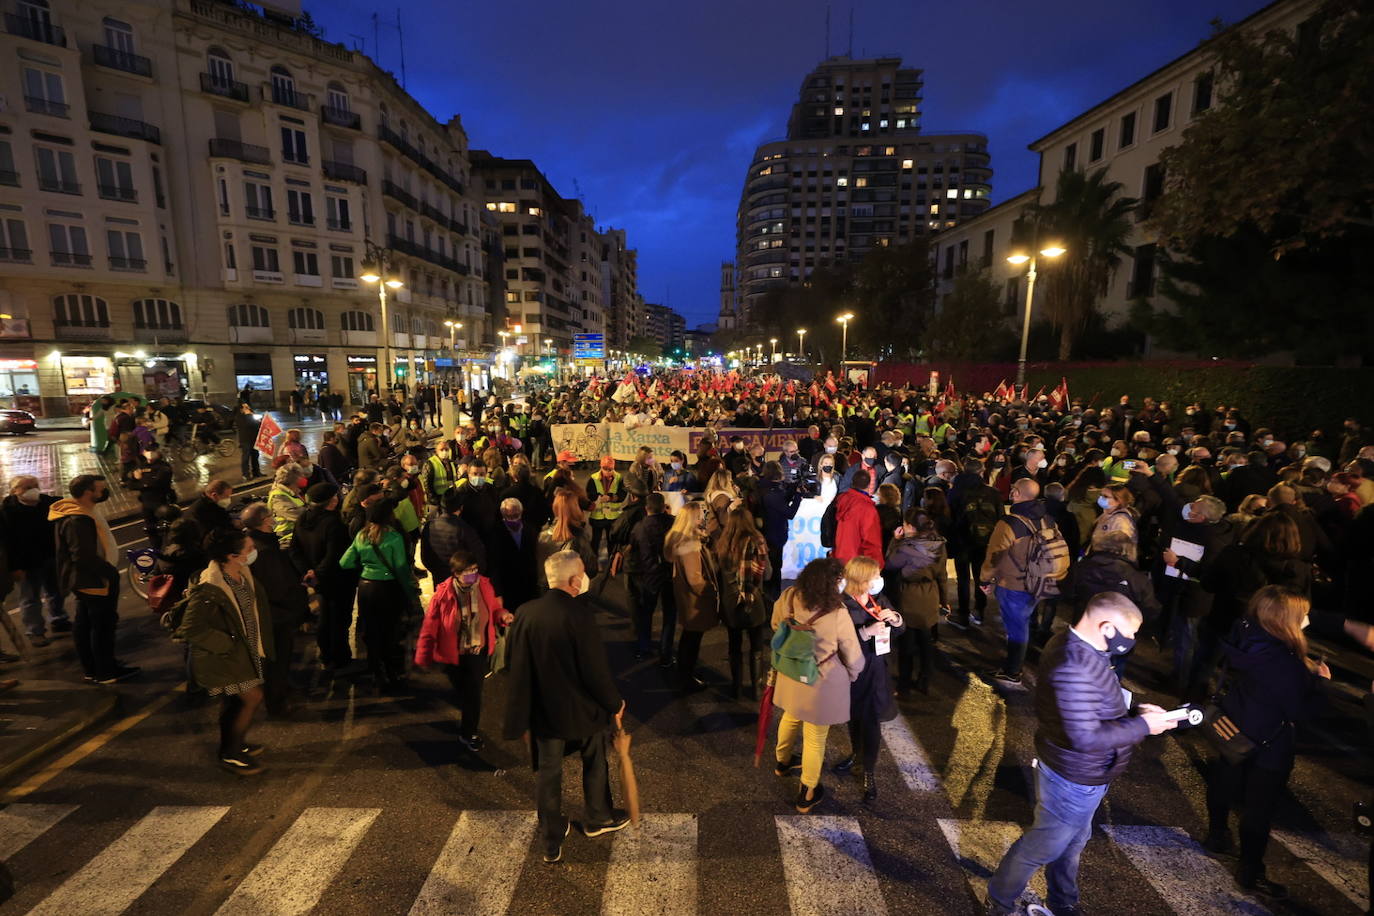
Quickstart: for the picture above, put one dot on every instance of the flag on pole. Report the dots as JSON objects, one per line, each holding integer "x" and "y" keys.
{"x": 268, "y": 431}
{"x": 1003, "y": 392}
{"x": 1039, "y": 393}
{"x": 1059, "y": 397}
{"x": 830, "y": 382}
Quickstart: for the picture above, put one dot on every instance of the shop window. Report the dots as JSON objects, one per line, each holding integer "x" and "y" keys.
{"x": 356, "y": 321}
{"x": 157, "y": 315}
{"x": 248, "y": 315}
{"x": 80, "y": 310}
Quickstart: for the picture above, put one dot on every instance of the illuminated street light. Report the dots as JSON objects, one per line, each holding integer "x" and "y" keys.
{"x": 844, "y": 337}
{"x": 1018, "y": 257}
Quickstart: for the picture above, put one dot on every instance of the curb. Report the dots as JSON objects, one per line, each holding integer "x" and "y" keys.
{"x": 238, "y": 488}
{"x": 97, "y": 713}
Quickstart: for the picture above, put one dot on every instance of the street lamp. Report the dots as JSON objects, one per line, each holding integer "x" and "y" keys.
{"x": 453, "y": 327}
{"x": 801, "y": 342}
{"x": 774, "y": 342}
{"x": 377, "y": 269}
{"x": 1018, "y": 257}
{"x": 844, "y": 336}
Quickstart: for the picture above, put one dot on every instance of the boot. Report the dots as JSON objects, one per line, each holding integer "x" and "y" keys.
{"x": 870, "y": 787}
{"x": 736, "y": 666}
{"x": 755, "y": 676}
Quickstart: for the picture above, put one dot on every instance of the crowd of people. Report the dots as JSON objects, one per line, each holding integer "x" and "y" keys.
{"x": 1195, "y": 527}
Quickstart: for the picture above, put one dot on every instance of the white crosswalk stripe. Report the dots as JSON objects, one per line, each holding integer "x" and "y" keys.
{"x": 653, "y": 869}
{"x": 980, "y": 845}
{"x": 909, "y": 756}
{"x": 1341, "y": 859}
{"x": 20, "y": 825}
{"x": 477, "y": 869}
{"x": 295, "y": 872}
{"x": 1188, "y": 879}
{"x": 827, "y": 866}
{"x": 115, "y": 878}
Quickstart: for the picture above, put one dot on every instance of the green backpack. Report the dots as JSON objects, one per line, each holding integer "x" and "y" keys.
{"x": 794, "y": 651}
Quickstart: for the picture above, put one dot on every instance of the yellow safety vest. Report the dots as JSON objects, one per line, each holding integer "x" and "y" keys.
{"x": 607, "y": 511}
{"x": 283, "y": 526}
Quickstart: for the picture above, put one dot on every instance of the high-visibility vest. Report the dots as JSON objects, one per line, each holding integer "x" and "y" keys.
{"x": 283, "y": 526}
{"x": 441, "y": 476}
{"x": 608, "y": 511}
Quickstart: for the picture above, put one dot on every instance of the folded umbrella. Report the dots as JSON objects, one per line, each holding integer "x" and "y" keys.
{"x": 621, "y": 738}
{"x": 765, "y": 715}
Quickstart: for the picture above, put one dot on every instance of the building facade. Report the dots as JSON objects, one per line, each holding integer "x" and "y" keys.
{"x": 728, "y": 318}
{"x": 665, "y": 325}
{"x": 855, "y": 172}
{"x": 620, "y": 289}
{"x": 1125, "y": 134}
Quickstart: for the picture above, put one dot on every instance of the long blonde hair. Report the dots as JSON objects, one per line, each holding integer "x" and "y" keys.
{"x": 724, "y": 481}
{"x": 1281, "y": 611}
{"x": 686, "y": 527}
{"x": 567, "y": 514}
{"x": 859, "y": 571}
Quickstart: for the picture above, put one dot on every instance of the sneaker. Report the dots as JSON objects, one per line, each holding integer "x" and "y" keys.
{"x": 39, "y": 641}
{"x": 787, "y": 768}
{"x": 252, "y": 750}
{"x": 553, "y": 852}
{"x": 845, "y": 765}
{"x": 958, "y": 622}
{"x": 471, "y": 742}
{"x": 121, "y": 674}
{"x": 804, "y": 804}
{"x": 240, "y": 763}
{"x": 619, "y": 821}
{"x": 975, "y": 620}
{"x": 1010, "y": 680}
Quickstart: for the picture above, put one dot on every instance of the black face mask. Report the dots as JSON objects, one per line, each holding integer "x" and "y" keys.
{"x": 103, "y": 496}
{"x": 1120, "y": 644}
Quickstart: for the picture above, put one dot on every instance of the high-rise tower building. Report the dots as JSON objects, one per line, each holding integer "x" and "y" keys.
{"x": 729, "y": 298}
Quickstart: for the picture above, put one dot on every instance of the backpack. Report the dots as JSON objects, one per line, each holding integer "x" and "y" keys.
{"x": 794, "y": 651}
{"x": 829, "y": 524}
{"x": 981, "y": 511}
{"x": 1047, "y": 557}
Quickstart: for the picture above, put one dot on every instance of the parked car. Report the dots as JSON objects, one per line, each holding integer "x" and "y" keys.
{"x": 17, "y": 422}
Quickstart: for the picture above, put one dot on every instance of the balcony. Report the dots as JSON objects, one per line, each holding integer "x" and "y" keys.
{"x": 300, "y": 219}
{"x": 115, "y": 59}
{"x": 46, "y": 106}
{"x": 341, "y": 117}
{"x": 17, "y": 255}
{"x": 766, "y": 256}
{"x": 116, "y": 192}
{"x": 66, "y": 330}
{"x": 265, "y": 213}
{"x": 342, "y": 171}
{"x": 229, "y": 89}
{"x": 59, "y": 185}
{"x": 282, "y": 95}
{"x": 237, "y": 149}
{"x": 160, "y": 335}
{"x": 70, "y": 259}
{"x": 340, "y": 225}
{"x": 433, "y": 213}
{"x": 26, "y": 27}
{"x": 460, "y": 228}
{"x": 117, "y": 263}
{"x": 125, "y": 127}
{"x": 9, "y": 178}
{"x": 396, "y": 192}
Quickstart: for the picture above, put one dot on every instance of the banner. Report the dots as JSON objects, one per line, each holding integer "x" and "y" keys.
{"x": 803, "y": 537}
{"x": 770, "y": 439}
{"x": 589, "y": 441}
{"x": 626, "y": 441}
{"x": 268, "y": 432}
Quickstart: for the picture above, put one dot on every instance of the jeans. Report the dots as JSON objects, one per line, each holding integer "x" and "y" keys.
{"x": 813, "y": 746}
{"x": 39, "y": 587}
{"x": 1258, "y": 789}
{"x": 1017, "y": 608}
{"x": 94, "y": 632}
{"x": 601, "y": 528}
{"x": 1063, "y": 823}
{"x": 967, "y": 564}
{"x": 248, "y": 461}
{"x": 1195, "y": 652}
{"x": 467, "y": 678}
{"x": 647, "y": 597}
{"x": 596, "y": 782}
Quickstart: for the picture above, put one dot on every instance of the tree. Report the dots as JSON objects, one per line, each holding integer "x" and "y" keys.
{"x": 812, "y": 305}
{"x": 644, "y": 346}
{"x": 893, "y": 291}
{"x": 970, "y": 323}
{"x": 1092, "y": 221}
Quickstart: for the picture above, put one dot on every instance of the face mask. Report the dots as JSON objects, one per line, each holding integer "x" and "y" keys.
{"x": 1306, "y": 621}
{"x": 103, "y": 496}
{"x": 876, "y": 585}
{"x": 1173, "y": 450}
{"x": 1230, "y": 426}
{"x": 1185, "y": 515}
{"x": 250, "y": 556}
{"x": 469, "y": 579}
{"x": 842, "y": 585}
{"x": 224, "y": 503}
{"x": 830, "y": 449}
{"x": 1070, "y": 450}
{"x": 1118, "y": 453}
{"x": 1102, "y": 501}
{"x": 1043, "y": 464}
{"x": 584, "y": 584}
{"x": 513, "y": 525}
{"x": 30, "y": 496}
{"x": 870, "y": 461}
{"x": 676, "y": 465}
{"x": 1120, "y": 644}
{"x": 477, "y": 481}
{"x": 827, "y": 468}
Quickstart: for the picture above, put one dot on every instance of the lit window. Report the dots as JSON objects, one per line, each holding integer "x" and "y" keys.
{"x": 901, "y": 122}
{"x": 838, "y": 112}
{"x": 934, "y": 209}
{"x": 952, "y": 193}
{"x": 968, "y": 193}
{"x": 535, "y": 211}
{"x": 889, "y": 150}
{"x": 491, "y": 207}
{"x": 906, "y": 163}
{"x": 860, "y": 182}
{"x": 506, "y": 206}
{"x": 882, "y": 123}
{"x": 842, "y": 182}
{"x": 864, "y": 126}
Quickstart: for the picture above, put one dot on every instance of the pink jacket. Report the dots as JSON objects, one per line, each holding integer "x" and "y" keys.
{"x": 438, "y": 640}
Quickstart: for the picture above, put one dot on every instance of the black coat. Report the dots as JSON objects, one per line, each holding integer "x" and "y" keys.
{"x": 869, "y": 693}
{"x": 560, "y": 680}
{"x": 1269, "y": 690}
{"x": 513, "y": 568}
{"x": 1193, "y": 599}
{"x": 155, "y": 485}
{"x": 208, "y": 515}
{"x": 318, "y": 542}
{"x": 281, "y": 580}
{"x": 779, "y": 503}
{"x": 533, "y": 505}
{"x": 1240, "y": 571}
{"x": 1103, "y": 572}
{"x": 28, "y": 533}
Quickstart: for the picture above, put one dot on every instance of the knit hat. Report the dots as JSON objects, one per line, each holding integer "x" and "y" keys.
{"x": 321, "y": 493}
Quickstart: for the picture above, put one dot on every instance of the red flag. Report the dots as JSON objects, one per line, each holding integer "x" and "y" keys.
{"x": 1002, "y": 391}
{"x": 268, "y": 431}
{"x": 830, "y": 383}
{"x": 1059, "y": 397}
{"x": 629, "y": 378}
{"x": 791, "y": 388}
{"x": 1038, "y": 393}
{"x": 814, "y": 390}
{"x": 950, "y": 393}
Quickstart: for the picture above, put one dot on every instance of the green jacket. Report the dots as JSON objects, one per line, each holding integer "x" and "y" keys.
{"x": 213, "y": 627}
{"x": 381, "y": 562}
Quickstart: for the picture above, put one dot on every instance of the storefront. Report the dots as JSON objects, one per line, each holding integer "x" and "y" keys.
{"x": 362, "y": 376}
{"x": 253, "y": 371}
{"x": 311, "y": 371}
{"x": 153, "y": 376}
{"x": 19, "y": 385}
{"x": 85, "y": 378}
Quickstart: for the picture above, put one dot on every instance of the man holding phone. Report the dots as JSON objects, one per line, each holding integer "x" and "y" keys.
{"x": 1085, "y": 736}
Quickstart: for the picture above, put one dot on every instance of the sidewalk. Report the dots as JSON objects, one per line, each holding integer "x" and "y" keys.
{"x": 38, "y": 716}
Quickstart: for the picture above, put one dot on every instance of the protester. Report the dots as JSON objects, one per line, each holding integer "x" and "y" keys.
{"x": 246, "y": 425}
{"x": 156, "y": 489}
{"x": 320, "y": 540}
{"x": 566, "y": 531}
{"x": 696, "y": 594}
{"x": 877, "y": 626}
{"x": 650, "y": 576}
{"x": 210, "y": 510}
{"x": 28, "y": 537}
{"x": 384, "y": 594}
{"x": 917, "y": 563}
{"x": 857, "y": 529}
{"x": 741, "y": 557}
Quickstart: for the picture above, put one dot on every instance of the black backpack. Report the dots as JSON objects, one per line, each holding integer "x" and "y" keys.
{"x": 828, "y": 525}
{"x": 982, "y": 509}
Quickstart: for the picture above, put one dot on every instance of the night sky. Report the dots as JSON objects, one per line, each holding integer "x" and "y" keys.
{"x": 654, "y": 108}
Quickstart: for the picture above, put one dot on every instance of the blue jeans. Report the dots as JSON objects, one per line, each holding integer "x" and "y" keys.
{"x": 1017, "y": 608}
{"x": 1063, "y": 822}
{"x": 39, "y": 587}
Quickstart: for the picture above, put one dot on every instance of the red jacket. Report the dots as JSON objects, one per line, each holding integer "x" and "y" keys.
{"x": 857, "y": 529}
{"x": 438, "y": 640}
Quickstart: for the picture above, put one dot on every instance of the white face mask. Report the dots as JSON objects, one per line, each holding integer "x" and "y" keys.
{"x": 251, "y": 556}
{"x": 584, "y": 584}
{"x": 224, "y": 503}
{"x": 830, "y": 449}
{"x": 843, "y": 584}
{"x": 30, "y": 496}
{"x": 876, "y": 586}
{"x": 1306, "y": 621}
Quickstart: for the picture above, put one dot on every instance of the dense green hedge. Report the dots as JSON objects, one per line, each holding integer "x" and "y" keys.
{"x": 1292, "y": 400}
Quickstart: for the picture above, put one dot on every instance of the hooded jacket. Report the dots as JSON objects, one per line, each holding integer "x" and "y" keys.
{"x": 213, "y": 624}
{"x": 86, "y": 550}
{"x": 918, "y": 567}
{"x": 857, "y": 530}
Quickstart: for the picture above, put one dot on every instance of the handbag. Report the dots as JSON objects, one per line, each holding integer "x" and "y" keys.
{"x": 500, "y": 661}
{"x": 1234, "y": 746}
{"x": 160, "y": 596}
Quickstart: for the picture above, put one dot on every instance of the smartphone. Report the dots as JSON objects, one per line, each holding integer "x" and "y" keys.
{"x": 1130, "y": 464}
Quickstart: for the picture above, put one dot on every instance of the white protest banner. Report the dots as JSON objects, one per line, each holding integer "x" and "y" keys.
{"x": 803, "y": 538}
{"x": 588, "y": 441}
{"x": 626, "y": 441}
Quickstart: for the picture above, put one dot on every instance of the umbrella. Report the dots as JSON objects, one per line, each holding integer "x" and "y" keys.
{"x": 765, "y": 715}
{"x": 621, "y": 738}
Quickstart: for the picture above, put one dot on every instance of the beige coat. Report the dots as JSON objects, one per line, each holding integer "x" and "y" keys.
{"x": 827, "y": 701}
{"x": 694, "y": 583}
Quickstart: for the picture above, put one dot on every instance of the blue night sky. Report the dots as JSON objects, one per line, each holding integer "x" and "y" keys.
{"x": 654, "y": 108}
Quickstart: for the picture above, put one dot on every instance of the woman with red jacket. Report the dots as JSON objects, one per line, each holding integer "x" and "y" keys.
{"x": 459, "y": 633}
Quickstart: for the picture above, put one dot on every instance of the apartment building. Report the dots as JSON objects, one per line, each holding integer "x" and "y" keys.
{"x": 1125, "y": 134}
{"x": 664, "y": 325}
{"x": 620, "y": 289}
{"x": 191, "y": 192}
{"x": 855, "y": 172}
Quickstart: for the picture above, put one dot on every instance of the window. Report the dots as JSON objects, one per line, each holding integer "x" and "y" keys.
{"x": 1164, "y": 107}
{"x": 43, "y": 92}
{"x": 119, "y": 36}
{"x": 80, "y": 310}
{"x": 219, "y": 67}
{"x": 356, "y": 321}
{"x": 417, "y": 327}
{"x": 337, "y": 212}
{"x": 258, "y": 201}
{"x": 126, "y": 250}
{"x": 307, "y": 263}
{"x": 341, "y": 265}
{"x": 1151, "y": 189}
{"x": 1070, "y": 155}
{"x": 1202, "y": 92}
{"x": 1013, "y": 300}
{"x": 14, "y": 241}
{"x": 265, "y": 259}
{"x": 248, "y": 315}
{"x": 231, "y": 258}
{"x": 987, "y": 248}
{"x": 300, "y": 209}
{"x": 1096, "y": 143}
{"x": 56, "y": 170}
{"x": 1127, "y": 131}
{"x": 338, "y": 98}
{"x": 68, "y": 245}
{"x": 305, "y": 319}
{"x": 283, "y": 86}
{"x": 1142, "y": 273}
{"x": 114, "y": 179}
{"x": 293, "y": 146}
{"x": 8, "y": 174}
{"x": 157, "y": 315}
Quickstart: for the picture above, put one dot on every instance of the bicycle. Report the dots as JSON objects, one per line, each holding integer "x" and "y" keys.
{"x": 210, "y": 443}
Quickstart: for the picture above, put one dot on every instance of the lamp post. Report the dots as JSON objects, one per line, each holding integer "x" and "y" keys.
{"x": 1051, "y": 250}
{"x": 801, "y": 342}
{"x": 774, "y": 342}
{"x": 377, "y": 269}
{"x": 844, "y": 335}
{"x": 453, "y": 327}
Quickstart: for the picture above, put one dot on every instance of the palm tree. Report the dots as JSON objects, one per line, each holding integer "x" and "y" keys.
{"x": 1092, "y": 222}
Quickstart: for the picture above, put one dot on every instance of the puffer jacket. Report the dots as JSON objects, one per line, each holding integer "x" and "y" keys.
{"x": 1085, "y": 732}
{"x": 438, "y": 639}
